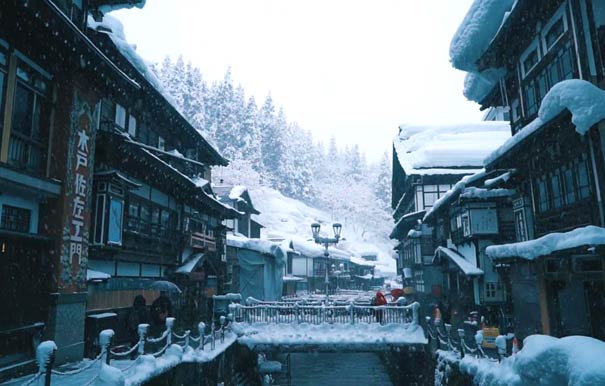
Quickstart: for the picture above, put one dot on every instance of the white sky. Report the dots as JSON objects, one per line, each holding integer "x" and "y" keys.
{"x": 355, "y": 69}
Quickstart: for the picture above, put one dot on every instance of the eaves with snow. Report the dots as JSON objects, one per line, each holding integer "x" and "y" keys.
{"x": 448, "y": 149}
{"x": 473, "y": 37}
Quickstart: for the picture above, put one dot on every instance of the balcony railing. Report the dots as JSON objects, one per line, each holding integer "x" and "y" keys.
{"x": 201, "y": 240}
{"x": 26, "y": 154}
{"x": 145, "y": 229}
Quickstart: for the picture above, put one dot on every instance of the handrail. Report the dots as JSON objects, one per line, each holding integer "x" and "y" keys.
{"x": 45, "y": 352}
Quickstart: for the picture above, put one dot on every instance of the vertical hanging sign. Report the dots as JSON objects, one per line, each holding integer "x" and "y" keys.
{"x": 78, "y": 189}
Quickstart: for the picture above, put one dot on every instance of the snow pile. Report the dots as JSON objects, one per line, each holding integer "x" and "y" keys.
{"x": 285, "y": 218}
{"x": 259, "y": 245}
{"x": 126, "y": 5}
{"x": 91, "y": 274}
{"x": 484, "y": 194}
{"x": 117, "y": 36}
{"x": 544, "y": 360}
{"x": 110, "y": 376}
{"x": 552, "y": 242}
{"x": 361, "y": 335}
{"x": 585, "y": 101}
{"x": 448, "y": 149}
{"x": 479, "y": 27}
{"x": 477, "y": 85}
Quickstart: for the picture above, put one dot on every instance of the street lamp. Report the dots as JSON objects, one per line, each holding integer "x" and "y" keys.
{"x": 326, "y": 242}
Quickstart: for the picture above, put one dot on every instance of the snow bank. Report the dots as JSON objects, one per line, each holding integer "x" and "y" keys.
{"x": 544, "y": 360}
{"x": 337, "y": 335}
{"x": 479, "y": 27}
{"x": 545, "y": 245}
{"x": 448, "y": 146}
{"x": 259, "y": 245}
{"x": 585, "y": 101}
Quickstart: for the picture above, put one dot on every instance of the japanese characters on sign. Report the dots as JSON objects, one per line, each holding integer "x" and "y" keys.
{"x": 76, "y": 240}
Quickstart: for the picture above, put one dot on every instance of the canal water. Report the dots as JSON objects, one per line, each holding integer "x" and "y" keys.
{"x": 338, "y": 369}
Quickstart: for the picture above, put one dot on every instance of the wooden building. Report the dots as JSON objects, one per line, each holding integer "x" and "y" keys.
{"x": 560, "y": 174}
{"x": 97, "y": 169}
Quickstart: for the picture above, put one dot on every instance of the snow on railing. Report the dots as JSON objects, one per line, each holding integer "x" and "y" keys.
{"x": 280, "y": 312}
{"x": 45, "y": 352}
{"x": 442, "y": 334}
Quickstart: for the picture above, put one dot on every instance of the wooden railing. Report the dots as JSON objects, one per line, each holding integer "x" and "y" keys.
{"x": 318, "y": 314}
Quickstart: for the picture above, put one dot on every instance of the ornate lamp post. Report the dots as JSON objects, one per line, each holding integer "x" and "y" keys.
{"x": 326, "y": 242}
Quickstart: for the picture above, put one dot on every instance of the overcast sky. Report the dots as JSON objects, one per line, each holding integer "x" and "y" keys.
{"x": 354, "y": 69}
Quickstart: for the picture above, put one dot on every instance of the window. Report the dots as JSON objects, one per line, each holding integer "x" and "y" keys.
{"x": 530, "y": 58}
{"x": 554, "y": 29}
{"x": 132, "y": 126}
{"x": 515, "y": 109}
{"x": 542, "y": 195}
{"x": 583, "y": 180}
{"x": 30, "y": 120}
{"x": 568, "y": 185}
{"x": 3, "y": 72}
{"x": 555, "y": 186}
{"x": 520, "y": 225}
{"x": 15, "y": 219}
{"x": 492, "y": 290}
{"x": 120, "y": 117}
{"x": 161, "y": 143}
{"x": 531, "y": 101}
{"x": 115, "y": 221}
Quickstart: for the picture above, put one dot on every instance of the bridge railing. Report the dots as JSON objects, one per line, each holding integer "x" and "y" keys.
{"x": 318, "y": 314}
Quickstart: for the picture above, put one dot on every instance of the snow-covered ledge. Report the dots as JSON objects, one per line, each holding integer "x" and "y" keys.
{"x": 545, "y": 245}
{"x": 585, "y": 101}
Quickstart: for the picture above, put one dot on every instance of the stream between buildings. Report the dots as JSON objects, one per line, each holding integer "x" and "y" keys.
{"x": 339, "y": 369}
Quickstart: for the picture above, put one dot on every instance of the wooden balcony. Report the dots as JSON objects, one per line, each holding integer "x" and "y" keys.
{"x": 201, "y": 240}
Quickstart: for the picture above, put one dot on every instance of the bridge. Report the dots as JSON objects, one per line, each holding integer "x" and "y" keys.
{"x": 333, "y": 327}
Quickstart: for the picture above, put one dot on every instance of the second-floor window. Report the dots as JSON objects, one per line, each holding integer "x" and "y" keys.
{"x": 30, "y": 120}
{"x": 563, "y": 186}
{"x": 15, "y": 219}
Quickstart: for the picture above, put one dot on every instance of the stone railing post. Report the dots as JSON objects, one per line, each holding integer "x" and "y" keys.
{"x": 448, "y": 330}
{"x": 223, "y": 322}
{"x": 201, "y": 329}
{"x": 142, "y": 331}
{"x": 187, "y": 334}
{"x": 169, "y": 327}
{"x": 105, "y": 338}
{"x": 213, "y": 334}
{"x": 461, "y": 337}
{"x": 297, "y": 312}
{"x": 415, "y": 308}
{"x": 45, "y": 356}
{"x": 352, "y": 313}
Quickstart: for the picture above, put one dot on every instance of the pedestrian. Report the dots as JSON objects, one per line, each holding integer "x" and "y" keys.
{"x": 137, "y": 315}
{"x": 380, "y": 301}
{"x": 161, "y": 308}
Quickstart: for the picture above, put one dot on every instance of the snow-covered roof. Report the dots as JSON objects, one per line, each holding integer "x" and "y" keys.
{"x": 259, "y": 245}
{"x": 106, "y": 6}
{"x": 477, "y": 85}
{"x": 237, "y": 191}
{"x": 498, "y": 180}
{"x": 292, "y": 278}
{"x": 441, "y": 149}
{"x": 550, "y": 243}
{"x": 91, "y": 274}
{"x": 454, "y": 192}
{"x": 310, "y": 249}
{"x": 585, "y": 101}
{"x": 480, "y": 25}
{"x": 361, "y": 262}
{"x": 484, "y": 194}
{"x": 468, "y": 268}
{"x": 192, "y": 262}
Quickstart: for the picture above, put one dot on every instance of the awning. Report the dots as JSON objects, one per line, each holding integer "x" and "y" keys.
{"x": 92, "y": 275}
{"x": 191, "y": 263}
{"x": 292, "y": 278}
{"x": 405, "y": 223}
{"x": 465, "y": 266}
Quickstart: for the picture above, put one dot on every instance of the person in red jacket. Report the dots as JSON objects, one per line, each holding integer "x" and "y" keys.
{"x": 380, "y": 301}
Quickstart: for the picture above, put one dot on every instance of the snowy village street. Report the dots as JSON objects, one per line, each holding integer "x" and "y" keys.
{"x": 302, "y": 193}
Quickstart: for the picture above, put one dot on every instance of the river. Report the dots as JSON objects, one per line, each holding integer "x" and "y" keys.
{"x": 338, "y": 369}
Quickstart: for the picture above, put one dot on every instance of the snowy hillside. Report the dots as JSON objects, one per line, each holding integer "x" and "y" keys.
{"x": 286, "y": 217}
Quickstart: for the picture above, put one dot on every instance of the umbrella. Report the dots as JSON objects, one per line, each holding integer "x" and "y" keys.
{"x": 164, "y": 285}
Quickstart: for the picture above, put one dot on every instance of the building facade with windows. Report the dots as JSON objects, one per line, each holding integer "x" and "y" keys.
{"x": 559, "y": 173}
{"x": 97, "y": 170}
{"x": 427, "y": 162}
